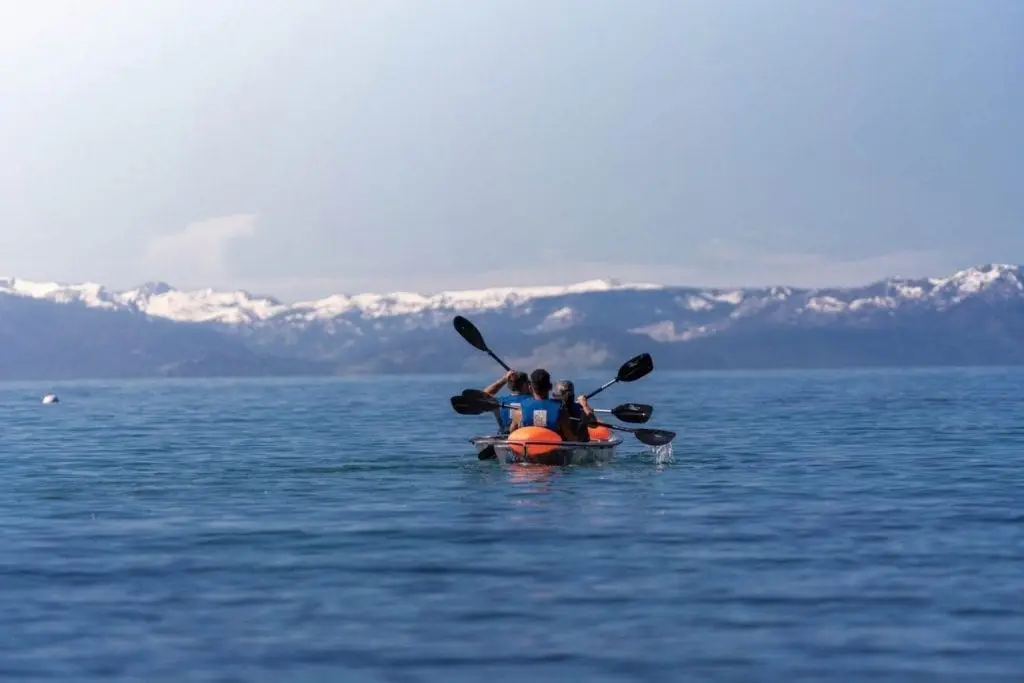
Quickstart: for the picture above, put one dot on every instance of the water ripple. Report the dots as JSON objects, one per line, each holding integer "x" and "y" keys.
{"x": 848, "y": 526}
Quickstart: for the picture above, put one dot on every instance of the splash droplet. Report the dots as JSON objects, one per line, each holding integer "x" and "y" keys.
{"x": 663, "y": 454}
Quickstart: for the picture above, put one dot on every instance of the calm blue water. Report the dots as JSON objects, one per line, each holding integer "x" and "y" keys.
{"x": 843, "y": 526}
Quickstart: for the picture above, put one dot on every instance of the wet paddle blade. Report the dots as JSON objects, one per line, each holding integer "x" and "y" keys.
{"x": 635, "y": 368}
{"x": 464, "y": 406}
{"x": 469, "y": 332}
{"x": 632, "y": 370}
{"x": 634, "y": 413}
{"x": 480, "y": 400}
{"x": 651, "y": 437}
{"x": 654, "y": 437}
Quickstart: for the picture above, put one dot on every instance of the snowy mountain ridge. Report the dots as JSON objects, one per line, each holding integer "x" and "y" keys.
{"x": 240, "y": 307}
{"x": 972, "y": 317}
{"x": 162, "y": 300}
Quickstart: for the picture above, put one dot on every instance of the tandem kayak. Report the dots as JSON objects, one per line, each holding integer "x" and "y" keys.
{"x": 556, "y": 453}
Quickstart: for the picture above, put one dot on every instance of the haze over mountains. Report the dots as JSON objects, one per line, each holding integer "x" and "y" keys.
{"x": 54, "y": 331}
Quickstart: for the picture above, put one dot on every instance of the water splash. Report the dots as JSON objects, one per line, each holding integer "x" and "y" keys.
{"x": 662, "y": 454}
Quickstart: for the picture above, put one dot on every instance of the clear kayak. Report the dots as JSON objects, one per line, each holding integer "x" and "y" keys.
{"x": 557, "y": 453}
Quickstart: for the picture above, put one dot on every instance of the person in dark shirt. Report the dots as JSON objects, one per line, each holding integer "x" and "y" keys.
{"x": 578, "y": 410}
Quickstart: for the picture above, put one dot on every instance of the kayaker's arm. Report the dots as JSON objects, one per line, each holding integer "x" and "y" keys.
{"x": 576, "y": 428}
{"x": 588, "y": 412}
{"x": 494, "y": 388}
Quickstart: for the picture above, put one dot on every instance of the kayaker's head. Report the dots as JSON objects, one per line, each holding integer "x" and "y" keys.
{"x": 520, "y": 383}
{"x": 540, "y": 383}
{"x": 564, "y": 391}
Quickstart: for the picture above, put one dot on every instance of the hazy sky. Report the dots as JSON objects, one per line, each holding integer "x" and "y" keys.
{"x": 300, "y": 148}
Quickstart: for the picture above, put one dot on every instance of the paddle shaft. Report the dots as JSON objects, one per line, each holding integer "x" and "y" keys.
{"x": 643, "y": 434}
{"x": 636, "y": 413}
{"x": 658, "y": 434}
{"x": 631, "y": 371}
{"x": 471, "y": 334}
{"x": 601, "y": 388}
{"x": 500, "y": 361}
{"x": 482, "y": 401}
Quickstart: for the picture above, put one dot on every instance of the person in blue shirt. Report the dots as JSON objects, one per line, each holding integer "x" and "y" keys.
{"x": 541, "y": 411}
{"x": 519, "y": 388}
{"x": 579, "y": 411}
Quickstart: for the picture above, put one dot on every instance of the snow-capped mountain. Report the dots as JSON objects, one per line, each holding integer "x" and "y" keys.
{"x": 600, "y": 319}
{"x": 157, "y": 299}
{"x": 238, "y": 307}
{"x": 161, "y": 300}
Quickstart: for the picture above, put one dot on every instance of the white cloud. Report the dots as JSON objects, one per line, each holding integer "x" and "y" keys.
{"x": 199, "y": 252}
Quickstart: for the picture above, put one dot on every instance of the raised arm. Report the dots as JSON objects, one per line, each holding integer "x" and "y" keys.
{"x": 588, "y": 412}
{"x": 494, "y": 388}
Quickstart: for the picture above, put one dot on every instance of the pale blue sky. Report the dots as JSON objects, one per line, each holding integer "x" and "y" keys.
{"x": 301, "y": 148}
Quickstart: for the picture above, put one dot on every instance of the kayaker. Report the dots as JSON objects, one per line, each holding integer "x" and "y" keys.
{"x": 578, "y": 410}
{"x": 541, "y": 411}
{"x": 518, "y": 383}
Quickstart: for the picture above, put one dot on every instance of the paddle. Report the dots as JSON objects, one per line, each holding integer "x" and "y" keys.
{"x": 472, "y": 335}
{"x": 651, "y": 437}
{"x": 632, "y": 370}
{"x": 463, "y": 406}
{"x": 476, "y": 401}
{"x": 466, "y": 406}
{"x": 636, "y": 413}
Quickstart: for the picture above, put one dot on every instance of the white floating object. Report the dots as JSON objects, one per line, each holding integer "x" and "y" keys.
{"x": 51, "y": 398}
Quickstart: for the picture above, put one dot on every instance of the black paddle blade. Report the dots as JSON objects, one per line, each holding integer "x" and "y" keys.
{"x": 463, "y": 406}
{"x": 488, "y": 453}
{"x": 654, "y": 437}
{"x": 635, "y": 368}
{"x": 634, "y": 413}
{"x": 632, "y": 370}
{"x": 480, "y": 400}
{"x": 469, "y": 332}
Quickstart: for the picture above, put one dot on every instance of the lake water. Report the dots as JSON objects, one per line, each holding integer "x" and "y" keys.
{"x": 812, "y": 526}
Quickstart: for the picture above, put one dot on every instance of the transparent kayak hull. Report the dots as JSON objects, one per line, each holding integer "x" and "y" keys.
{"x": 557, "y": 453}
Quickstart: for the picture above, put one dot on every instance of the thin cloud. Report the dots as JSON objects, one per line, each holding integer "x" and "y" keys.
{"x": 720, "y": 265}
{"x": 734, "y": 265}
{"x": 199, "y": 253}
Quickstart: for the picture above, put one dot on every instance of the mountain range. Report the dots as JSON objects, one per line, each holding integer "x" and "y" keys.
{"x": 56, "y": 331}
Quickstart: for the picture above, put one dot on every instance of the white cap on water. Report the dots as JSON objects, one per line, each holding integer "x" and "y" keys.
{"x": 51, "y": 398}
